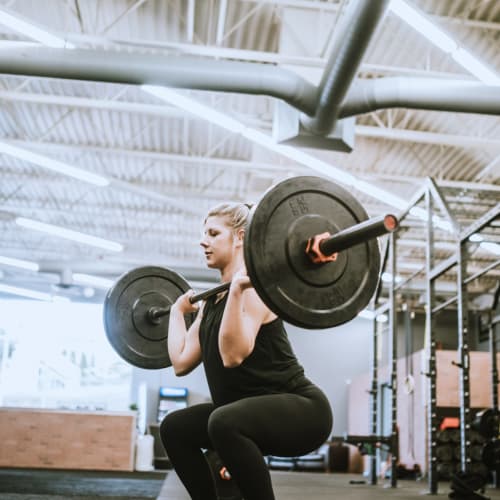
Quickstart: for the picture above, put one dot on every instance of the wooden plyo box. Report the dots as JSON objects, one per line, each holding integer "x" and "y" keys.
{"x": 67, "y": 439}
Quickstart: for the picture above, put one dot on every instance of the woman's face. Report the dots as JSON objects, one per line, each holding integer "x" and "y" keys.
{"x": 218, "y": 242}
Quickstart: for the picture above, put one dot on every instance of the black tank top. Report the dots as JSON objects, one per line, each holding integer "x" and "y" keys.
{"x": 271, "y": 368}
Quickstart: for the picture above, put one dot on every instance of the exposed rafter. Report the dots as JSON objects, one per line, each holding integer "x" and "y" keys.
{"x": 189, "y": 163}
{"x": 168, "y": 111}
{"x": 334, "y": 7}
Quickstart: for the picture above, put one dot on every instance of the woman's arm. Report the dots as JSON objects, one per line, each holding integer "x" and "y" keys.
{"x": 243, "y": 316}
{"x": 184, "y": 345}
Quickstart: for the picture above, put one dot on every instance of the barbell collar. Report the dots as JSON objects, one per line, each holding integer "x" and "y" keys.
{"x": 359, "y": 233}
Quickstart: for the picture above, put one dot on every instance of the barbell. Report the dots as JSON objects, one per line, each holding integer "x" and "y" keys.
{"x": 310, "y": 252}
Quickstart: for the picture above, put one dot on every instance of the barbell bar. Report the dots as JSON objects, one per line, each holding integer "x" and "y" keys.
{"x": 311, "y": 254}
{"x": 328, "y": 246}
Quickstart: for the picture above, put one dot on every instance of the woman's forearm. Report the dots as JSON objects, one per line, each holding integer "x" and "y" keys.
{"x": 176, "y": 337}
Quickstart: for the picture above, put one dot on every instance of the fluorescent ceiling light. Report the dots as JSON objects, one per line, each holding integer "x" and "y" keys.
{"x": 88, "y": 279}
{"x": 423, "y": 25}
{"x": 365, "y": 313}
{"x": 229, "y": 123}
{"x": 490, "y": 247}
{"x": 475, "y": 238}
{"x": 51, "y": 164}
{"x": 69, "y": 234}
{"x": 88, "y": 292}
{"x": 420, "y": 213}
{"x": 382, "y": 318}
{"x": 194, "y": 107}
{"x": 387, "y": 277}
{"x": 23, "y": 264}
{"x": 26, "y": 27}
{"x": 31, "y": 294}
{"x": 420, "y": 22}
{"x": 476, "y": 67}
{"x": 446, "y": 225}
{"x": 16, "y": 44}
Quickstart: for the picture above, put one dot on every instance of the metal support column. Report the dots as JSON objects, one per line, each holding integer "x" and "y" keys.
{"x": 431, "y": 351}
{"x": 374, "y": 392}
{"x": 494, "y": 367}
{"x": 494, "y": 382}
{"x": 374, "y": 405}
{"x": 463, "y": 349}
{"x": 394, "y": 358}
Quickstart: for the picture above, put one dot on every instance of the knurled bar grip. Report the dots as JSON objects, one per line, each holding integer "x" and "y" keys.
{"x": 158, "y": 312}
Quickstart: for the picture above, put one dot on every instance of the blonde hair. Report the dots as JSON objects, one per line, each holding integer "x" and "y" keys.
{"x": 236, "y": 214}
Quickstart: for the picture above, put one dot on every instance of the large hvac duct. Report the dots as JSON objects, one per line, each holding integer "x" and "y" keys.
{"x": 466, "y": 96}
{"x": 255, "y": 78}
{"x": 151, "y": 69}
{"x": 350, "y": 46}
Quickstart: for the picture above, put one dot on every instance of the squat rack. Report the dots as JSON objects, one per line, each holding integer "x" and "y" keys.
{"x": 433, "y": 199}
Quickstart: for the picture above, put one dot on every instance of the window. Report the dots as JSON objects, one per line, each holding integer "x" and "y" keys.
{"x": 56, "y": 355}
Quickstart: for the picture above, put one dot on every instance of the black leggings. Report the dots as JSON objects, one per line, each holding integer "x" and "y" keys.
{"x": 242, "y": 433}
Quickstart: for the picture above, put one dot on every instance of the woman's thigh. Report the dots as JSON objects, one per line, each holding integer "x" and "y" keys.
{"x": 279, "y": 424}
{"x": 189, "y": 425}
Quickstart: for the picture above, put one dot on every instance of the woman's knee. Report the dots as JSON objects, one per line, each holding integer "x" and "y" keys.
{"x": 221, "y": 424}
{"x": 171, "y": 428}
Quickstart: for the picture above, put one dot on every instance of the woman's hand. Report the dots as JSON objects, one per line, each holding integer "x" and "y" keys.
{"x": 183, "y": 305}
{"x": 240, "y": 281}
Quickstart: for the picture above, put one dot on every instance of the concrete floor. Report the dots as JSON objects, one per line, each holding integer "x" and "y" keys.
{"x": 322, "y": 486}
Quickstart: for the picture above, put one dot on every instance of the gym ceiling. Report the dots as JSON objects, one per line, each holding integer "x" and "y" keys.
{"x": 167, "y": 157}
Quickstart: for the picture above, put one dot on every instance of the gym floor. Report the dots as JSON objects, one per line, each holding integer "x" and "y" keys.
{"x": 322, "y": 486}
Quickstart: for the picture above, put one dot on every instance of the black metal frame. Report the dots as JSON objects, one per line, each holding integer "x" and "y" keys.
{"x": 432, "y": 421}
{"x": 433, "y": 197}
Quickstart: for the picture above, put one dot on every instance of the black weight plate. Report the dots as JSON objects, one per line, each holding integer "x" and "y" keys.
{"x": 137, "y": 339}
{"x": 300, "y": 292}
{"x": 487, "y": 423}
{"x": 491, "y": 454}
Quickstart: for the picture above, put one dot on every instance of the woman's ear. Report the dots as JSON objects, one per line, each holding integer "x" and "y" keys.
{"x": 240, "y": 236}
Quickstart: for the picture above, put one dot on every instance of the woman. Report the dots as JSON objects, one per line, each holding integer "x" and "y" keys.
{"x": 262, "y": 402}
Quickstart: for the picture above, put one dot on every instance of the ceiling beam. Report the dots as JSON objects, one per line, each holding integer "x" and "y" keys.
{"x": 195, "y": 161}
{"x": 334, "y": 7}
{"x": 111, "y": 105}
{"x": 45, "y": 162}
{"x": 157, "y": 156}
{"x": 446, "y": 183}
{"x": 122, "y": 15}
{"x": 167, "y": 111}
{"x": 440, "y": 139}
{"x": 221, "y": 23}
{"x": 190, "y": 16}
{"x": 491, "y": 170}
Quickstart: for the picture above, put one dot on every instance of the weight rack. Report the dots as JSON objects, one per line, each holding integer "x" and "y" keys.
{"x": 433, "y": 199}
